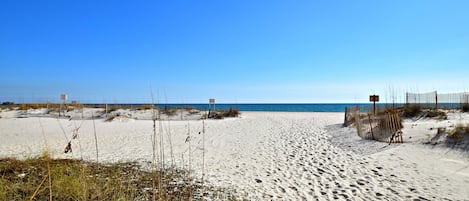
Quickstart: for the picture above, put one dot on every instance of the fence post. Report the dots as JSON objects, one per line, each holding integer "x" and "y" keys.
{"x": 399, "y": 119}
{"x": 436, "y": 100}
{"x": 345, "y": 117}
{"x": 371, "y": 127}
{"x": 356, "y": 116}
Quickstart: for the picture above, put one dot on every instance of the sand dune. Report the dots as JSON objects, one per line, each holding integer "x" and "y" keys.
{"x": 266, "y": 156}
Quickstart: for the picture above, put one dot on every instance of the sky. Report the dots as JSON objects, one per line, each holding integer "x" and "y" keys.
{"x": 236, "y": 51}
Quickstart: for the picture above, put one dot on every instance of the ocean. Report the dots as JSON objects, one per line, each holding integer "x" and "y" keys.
{"x": 278, "y": 107}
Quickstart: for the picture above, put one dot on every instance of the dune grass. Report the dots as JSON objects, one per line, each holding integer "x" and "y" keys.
{"x": 221, "y": 114}
{"x": 81, "y": 180}
{"x": 45, "y": 178}
{"x": 415, "y": 110}
{"x": 459, "y": 133}
{"x": 465, "y": 107}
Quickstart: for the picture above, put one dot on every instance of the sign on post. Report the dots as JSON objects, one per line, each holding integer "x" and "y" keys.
{"x": 374, "y": 99}
{"x": 211, "y": 102}
{"x": 63, "y": 97}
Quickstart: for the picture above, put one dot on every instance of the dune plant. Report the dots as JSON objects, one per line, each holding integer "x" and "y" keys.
{"x": 46, "y": 178}
{"x": 169, "y": 111}
{"x": 29, "y": 179}
{"x": 221, "y": 114}
{"x": 440, "y": 115}
{"x": 459, "y": 133}
{"x": 465, "y": 107}
{"x": 145, "y": 107}
{"x": 412, "y": 110}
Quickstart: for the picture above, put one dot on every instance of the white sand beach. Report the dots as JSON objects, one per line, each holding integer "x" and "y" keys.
{"x": 264, "y": 155}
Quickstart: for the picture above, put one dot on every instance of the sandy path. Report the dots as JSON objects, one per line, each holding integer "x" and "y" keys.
{"x": 267, "y": 156}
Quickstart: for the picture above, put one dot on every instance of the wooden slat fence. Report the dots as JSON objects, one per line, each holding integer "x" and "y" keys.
{"x": 385, "y": 127}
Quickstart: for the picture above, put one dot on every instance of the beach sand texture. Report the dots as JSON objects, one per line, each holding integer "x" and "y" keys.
{"x": 264, "y": 155}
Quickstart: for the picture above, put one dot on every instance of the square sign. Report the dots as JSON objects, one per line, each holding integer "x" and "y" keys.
{"x": 374, "y": 98}
{"x": 63, "y": 97}
{"x": 211, "y": 101}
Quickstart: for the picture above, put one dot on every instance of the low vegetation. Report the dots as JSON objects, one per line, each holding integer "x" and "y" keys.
{"x": 459, "y": 133}
{"x": 145, "y": 107}
{"x": 9, "y": 105}
{"x": 221, "y": 114}
{"x": 45, "y": 178}
{"x": 411, "y": 110}
{"x": 465, "y": 107}
{"x": 169, "y": 111}
{"x": 66, "y": 179}
{"x": 415, "y": 110}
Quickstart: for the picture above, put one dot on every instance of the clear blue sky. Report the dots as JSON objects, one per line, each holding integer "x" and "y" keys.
{"x": 233, "y": 50}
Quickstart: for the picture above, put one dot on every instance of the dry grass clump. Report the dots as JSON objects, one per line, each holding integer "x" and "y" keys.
{"x": 76, "y": 105}
{"x": 440, "y": 115}
{"x": 79, "y": 180}
{"x": 169, "y": 111}
{"x": 459, "y": 133}
{"x": 465, "y": 107}
{"x": 231, "y": 113}
{"x": 221, "y": 114}
{"x": 112, "y": 118}
{"x": 8, "y": 105}
{"x": 411, "y": 110}
{"x": 52, "y": 107}
{"x": 189, "y": 108}
{"x": 114, "y": 108}
{"x": 145, "y": 107}
{"x": 34, "y": 106}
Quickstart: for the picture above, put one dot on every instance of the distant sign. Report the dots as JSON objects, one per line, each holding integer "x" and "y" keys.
{"x": 211, "y": 101}
{"x": 374, "y": 98}
{"x": 63, "y": 97}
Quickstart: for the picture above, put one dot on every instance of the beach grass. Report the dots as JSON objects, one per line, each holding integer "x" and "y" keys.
{"x": 465, "y": 107}
{"x": 459, "y": 133}
{"x": 412, "y": 110}
{"x": 221, "y": 114}
{"x": 416, "y": 110}
{"x": 72, "y": 179}
{"x": 45, "y": 178}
